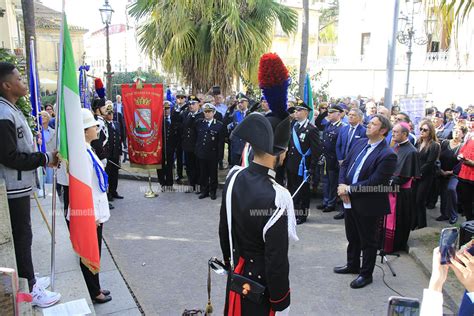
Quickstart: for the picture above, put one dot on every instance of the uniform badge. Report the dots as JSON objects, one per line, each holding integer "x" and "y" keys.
{"x": 213, "y": 138}
{"x": 302, "y": 136}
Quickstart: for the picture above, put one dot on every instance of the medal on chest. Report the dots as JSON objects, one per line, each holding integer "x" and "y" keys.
{"x": 302, "y": 136}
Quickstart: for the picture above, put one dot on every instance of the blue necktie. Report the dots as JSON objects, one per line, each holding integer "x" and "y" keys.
{"x": 351, "y": 133}
{"x": 356, "y": 163}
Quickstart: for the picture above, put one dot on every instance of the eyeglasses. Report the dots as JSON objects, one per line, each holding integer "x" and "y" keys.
{"x": 424, "y": 129}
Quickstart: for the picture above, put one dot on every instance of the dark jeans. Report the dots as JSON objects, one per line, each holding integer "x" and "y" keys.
{"x": 92, "y": 280}
{"x": 179, "y": 160}
{"x": 22, "y": 237}
{"x": 330, "y": 187}
{"x": 449, "y": 196}
{"x": 362, "y": 235}
{"x": 302, "y": 199}
{"x": 467, "y": 197}
{"x": 165, "y": 174}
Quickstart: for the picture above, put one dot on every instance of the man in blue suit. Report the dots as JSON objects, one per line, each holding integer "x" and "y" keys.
{"x": 349, "y": 135}
{"x": 363, "y": 187}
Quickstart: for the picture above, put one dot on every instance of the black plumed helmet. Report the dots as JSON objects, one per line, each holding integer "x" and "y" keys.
{"x": 256, "y": 130}
{"x": 281, "y": 133}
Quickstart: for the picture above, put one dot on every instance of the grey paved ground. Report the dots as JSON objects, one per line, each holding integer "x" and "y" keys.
{"x": 162, "y": 246}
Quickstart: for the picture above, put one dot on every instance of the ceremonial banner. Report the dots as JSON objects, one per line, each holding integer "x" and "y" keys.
{"x": 143, "y": 112}
{"x": 415, "y": 108}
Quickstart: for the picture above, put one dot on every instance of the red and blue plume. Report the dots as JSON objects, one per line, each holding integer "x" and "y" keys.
{"x": 273, "y": 79}
{"x": 99, "y": 88}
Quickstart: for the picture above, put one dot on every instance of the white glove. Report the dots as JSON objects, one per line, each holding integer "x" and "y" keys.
{"x": 284, "y": 312}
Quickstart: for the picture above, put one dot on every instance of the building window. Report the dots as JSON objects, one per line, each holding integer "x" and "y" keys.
{"x": 364, "y": 43}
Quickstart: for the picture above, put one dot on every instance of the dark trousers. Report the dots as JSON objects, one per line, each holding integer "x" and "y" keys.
{"x": 208, "y": 171}
{"x": 449, "y": 196}
{"x": 423, "y": 188}
{"x": 165, "y": 174}
{"x": 435, "y": 191}
{"x": 362, "y": 235}
{"x": 301, "y": 200}
{"x": 22, "y": 237}
{"x": 467, "y": 197}
{"x": 92, "y": 280}
{"x": 192, "y": 168}
{"x": 330, "y": 187}
{"x": 179, "y": 160}
{"x": 112, "y": 172}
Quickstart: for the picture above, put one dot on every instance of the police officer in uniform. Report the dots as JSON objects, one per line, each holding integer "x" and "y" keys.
{"x": 302, "y": 158}
{"x": 177, "y": 120}
{"x": 330, "y": 163}
{"x": 210, "y": 136}
{"x": 232, "y": 119}
{"x": 259, "y": 245}
{"x": 190, "y": 117}
{"x": 114, "y": 151}
{"x": 170, "y": 138}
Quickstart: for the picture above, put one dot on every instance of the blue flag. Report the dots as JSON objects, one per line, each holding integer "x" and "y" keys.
{"x": 170, "y": 97}
{"x": 35, "y": 99}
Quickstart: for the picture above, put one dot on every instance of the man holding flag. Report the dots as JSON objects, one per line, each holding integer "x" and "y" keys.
{"x": 18, "y": 162}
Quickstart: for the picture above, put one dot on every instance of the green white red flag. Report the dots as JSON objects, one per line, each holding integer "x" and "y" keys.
{"x": 72, "y": 150}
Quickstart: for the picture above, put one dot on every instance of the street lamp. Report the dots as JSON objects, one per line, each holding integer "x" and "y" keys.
{"x": 106, "y": 15}
{"x": 409, "y": 35}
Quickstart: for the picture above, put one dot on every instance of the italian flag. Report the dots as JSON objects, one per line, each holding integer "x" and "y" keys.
{"x": 72, "y": 150}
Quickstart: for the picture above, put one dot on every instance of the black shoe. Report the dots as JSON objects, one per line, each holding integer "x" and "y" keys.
{"x": 328, "y": 209}
{"x": 345, "y": 270}
{"x": 213, "y": 196}
{"x": 105, "y": 292}
{"x": 442, "y": 218}
{"x": 197, "y": 192}
{"x": 300, "y": 221}
{"x": 453, "y": 220}
{"x": 340, "y": 215}
{"x": 111, "y": 207}
{"x": 430, "y": 206}
{"x": 106, "y": 299}
{"x": 110, "y": 197}
{"x": 321, "y": 207}
{"x": 203, "y": 195}
{"x": 360, "y": 282}
{"x": 117, "y": 196}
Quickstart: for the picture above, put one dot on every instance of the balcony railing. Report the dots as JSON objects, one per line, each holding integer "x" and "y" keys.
{"x": 437, "y": 56}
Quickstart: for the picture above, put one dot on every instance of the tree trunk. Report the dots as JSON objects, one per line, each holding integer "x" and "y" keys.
{"x": 304, "y": 47}
{"x": 28, "y": 9}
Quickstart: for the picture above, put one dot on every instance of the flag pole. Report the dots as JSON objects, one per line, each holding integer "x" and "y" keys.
{"x": 34, "y": 93}
{"x": 58, "y": 102}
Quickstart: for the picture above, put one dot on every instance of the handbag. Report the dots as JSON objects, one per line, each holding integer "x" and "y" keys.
{"x": 239, "y": 284}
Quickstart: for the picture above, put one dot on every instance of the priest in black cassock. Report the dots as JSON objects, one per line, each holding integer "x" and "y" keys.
{"x": 398, "y": 223}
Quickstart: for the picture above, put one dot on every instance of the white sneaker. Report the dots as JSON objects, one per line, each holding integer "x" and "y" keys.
{"x": 43, "y": 282}
{"x": 44, "y": 298}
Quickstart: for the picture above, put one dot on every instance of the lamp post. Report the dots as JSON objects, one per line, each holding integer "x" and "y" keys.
{"x": 409, "y": 35}
{"x": 106, "y": 15}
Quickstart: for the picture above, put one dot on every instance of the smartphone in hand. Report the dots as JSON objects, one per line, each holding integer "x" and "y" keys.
{"x": 447, "y": 244}
{"x": 403, "y": 306}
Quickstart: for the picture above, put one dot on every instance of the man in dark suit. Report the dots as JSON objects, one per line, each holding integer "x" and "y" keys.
{"x": 170, "y": 137}
{"x": 177, "y": 114}
{"x": 301, "y": 159}
{"x": 119, "y": 118}
{"x": 349, "y": 135}
{"x": 364, "y": 174}
{"x": 114, "y": 151}
{"x": 209, "y": 137}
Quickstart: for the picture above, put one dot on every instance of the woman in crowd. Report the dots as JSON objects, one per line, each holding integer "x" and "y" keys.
{"x": 428, "y": 153}
{"x": 466, "y": 177}
{"x": 101, "y": 204}
{"x": 448, "y": 180}
{"x": 49, "y": 135}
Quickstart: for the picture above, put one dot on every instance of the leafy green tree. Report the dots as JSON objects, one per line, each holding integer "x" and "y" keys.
{"x": 210, "y": 42}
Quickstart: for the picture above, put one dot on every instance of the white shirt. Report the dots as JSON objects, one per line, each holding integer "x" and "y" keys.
{"x": 361, "y": 164}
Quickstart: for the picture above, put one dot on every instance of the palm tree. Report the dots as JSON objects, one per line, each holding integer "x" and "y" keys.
{"x": 210, "y": 42}
{"x": 461, "y": 8}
